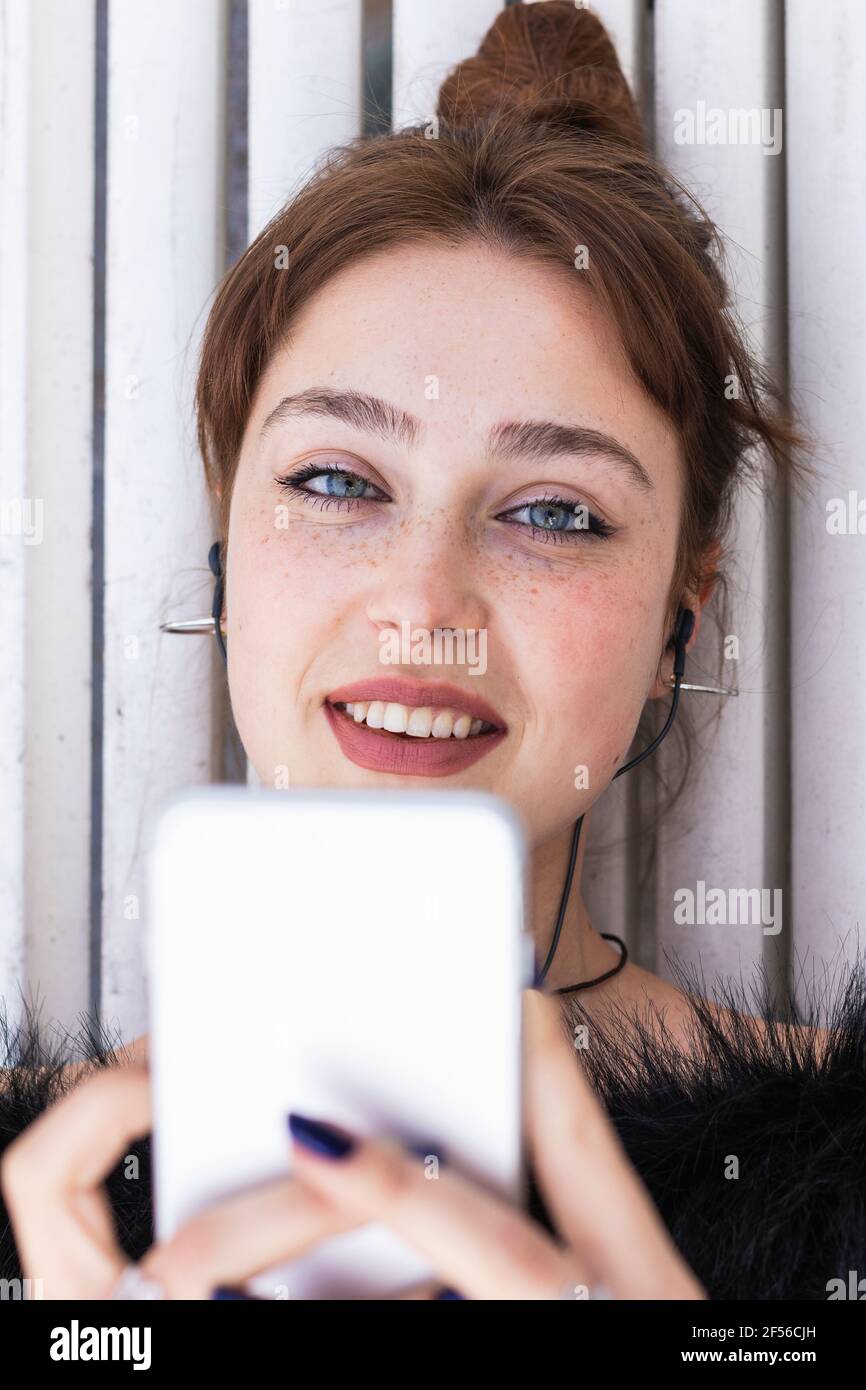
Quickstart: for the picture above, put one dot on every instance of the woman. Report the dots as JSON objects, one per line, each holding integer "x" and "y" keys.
{"x": 473, "y": 378}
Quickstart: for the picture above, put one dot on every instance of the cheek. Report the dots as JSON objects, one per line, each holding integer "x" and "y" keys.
{"x": 273, "y": 599}
{"x": 290, "y": 593}
{"x": 582, "y": 627}
{"x": 289, "y": 581}
{"x": 585, "y": 648}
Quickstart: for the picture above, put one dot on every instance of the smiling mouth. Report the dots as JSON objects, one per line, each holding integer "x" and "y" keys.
{"x": 415, "y": 724}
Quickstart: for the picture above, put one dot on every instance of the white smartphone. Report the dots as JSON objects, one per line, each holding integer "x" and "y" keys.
{"x": 355, "y": 956}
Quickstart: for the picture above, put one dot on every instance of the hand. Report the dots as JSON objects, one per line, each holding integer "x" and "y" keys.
{"x": 51, "y": 1177}
{"x": 486, "y": 1249}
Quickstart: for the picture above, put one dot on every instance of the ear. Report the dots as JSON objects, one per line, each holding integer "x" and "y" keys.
{"x": 696, "y": 599}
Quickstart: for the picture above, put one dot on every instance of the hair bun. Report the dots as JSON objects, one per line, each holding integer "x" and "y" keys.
{"x": 552, "y": 61}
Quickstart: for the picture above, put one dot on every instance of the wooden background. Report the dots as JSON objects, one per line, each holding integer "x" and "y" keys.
{"x": 142, "y": 145}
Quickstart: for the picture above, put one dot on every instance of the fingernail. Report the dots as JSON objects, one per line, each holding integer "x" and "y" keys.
{"x": 449, "y": 1293}
{"x": 319, "y": 1137}
{"x": 226, "y": 1291}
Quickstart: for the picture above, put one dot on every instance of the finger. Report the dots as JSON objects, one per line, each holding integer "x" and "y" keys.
{"x": 593, "y": 1193}
{"x": 244, "y": 1235}
{"x": 52, "y": 1174}
{"x": 475, "y": 1240}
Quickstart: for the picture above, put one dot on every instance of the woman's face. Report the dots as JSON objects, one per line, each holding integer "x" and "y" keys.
{"x": 474, "y": 401}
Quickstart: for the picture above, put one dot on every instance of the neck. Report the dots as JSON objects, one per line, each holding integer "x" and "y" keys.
{"x": 582, "y": 953}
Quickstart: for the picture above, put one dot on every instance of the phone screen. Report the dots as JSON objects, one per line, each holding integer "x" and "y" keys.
{"x": 355, "y": 956}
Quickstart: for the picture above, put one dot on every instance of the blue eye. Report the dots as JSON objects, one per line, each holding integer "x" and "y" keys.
{"x": 552, "y": 518}
{"x": 340, "y": 485}
{"x": 549, "y": 518}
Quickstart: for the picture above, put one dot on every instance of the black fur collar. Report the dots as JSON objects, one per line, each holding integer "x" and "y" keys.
{"x": 784, "y": 1107}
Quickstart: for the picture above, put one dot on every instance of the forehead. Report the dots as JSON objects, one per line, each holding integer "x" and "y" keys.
{"x": 463, "y": 337}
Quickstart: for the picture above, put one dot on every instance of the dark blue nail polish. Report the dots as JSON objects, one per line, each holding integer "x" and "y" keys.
{"x": 226, "y": 1291}
{"x": 320, "y": 1137}
{"x": 449, "y": 1293}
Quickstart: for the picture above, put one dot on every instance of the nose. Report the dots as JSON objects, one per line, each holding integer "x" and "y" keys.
{"x": 428, "y": 578}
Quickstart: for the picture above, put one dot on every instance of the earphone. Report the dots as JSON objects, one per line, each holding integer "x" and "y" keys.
{"x": 679, "y": 641}
{"x": 213, "y": 559}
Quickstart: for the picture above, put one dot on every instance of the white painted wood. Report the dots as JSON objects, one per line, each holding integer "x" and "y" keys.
{"x": 304, "y": 93}
{"x": 58, "y": 631}
{"x": 14, "y": 518}
{"x": 165, "y": 247}
{"x": 429, "y": 40}
{"x": 165, "y": 218}
{"x": 826, "y": 120}
{"x": 726, "y": 830}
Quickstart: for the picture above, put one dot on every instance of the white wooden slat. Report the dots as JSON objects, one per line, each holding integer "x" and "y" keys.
{"x": 166, "y": 80}
{"x": 164, "y": 256}
{"x": 826, "y": 120}
{"x": 14, "y": 123}
{"x": 305, "y": 95}
{"x": 428, "y": 40}
{"x": 59, "y": 597}
{"x": 726, "y": 831}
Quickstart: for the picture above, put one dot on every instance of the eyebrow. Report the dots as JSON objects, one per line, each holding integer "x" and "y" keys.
{"x": 525, "y": 439}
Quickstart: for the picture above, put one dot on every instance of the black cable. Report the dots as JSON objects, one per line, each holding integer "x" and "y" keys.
{"x": 682, "y": 633}
{"x": 608, "y": 974}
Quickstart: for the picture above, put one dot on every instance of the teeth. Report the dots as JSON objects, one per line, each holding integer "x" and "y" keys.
{"x": 462, "y": 726}
{"x": 416, "y": 722}
{"x": 376, "y": 715}
{"x": 396, "y": 719}
{"x": 419, "y": 723}
{"x": 443, "y": 724}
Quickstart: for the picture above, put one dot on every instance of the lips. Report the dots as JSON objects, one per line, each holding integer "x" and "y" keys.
{"x": 380, "y": 751}
{"x": 439, "y": 694}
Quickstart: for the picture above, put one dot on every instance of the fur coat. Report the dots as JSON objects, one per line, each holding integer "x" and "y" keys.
{"x": 752, "y": 1143}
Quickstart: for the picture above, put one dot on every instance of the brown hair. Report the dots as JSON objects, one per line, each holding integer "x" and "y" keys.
{"x": 539, "y": 148}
